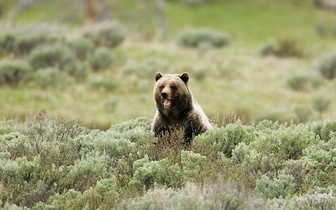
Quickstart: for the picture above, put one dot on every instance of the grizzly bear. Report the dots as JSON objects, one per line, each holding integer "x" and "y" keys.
{"x": 176, "y": 108}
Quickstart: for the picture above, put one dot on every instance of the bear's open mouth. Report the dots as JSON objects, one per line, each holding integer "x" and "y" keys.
{"x": 166, "y": 103}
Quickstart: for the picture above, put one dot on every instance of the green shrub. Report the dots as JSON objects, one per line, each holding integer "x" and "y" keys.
{"x": 146, "y": 69}
{"x": 321, "y": 103}
{"x": 313, "y": 201}
{"x": 298, "y": 82}
{"x": 49, "y": 163}
{"x": 199, "y": 73}
{"x": 210, "y": 195}
{"x": 149, "y": 173}
{"x": 101, "y": 59}
{"x": 51, "y": 77}
{"x": 223, "y": 140}
{"x": 319, "y": 164}
{"x": 192, "y": 165}
{"x": 6, "y": 126}
{"x": 269, "y": 151}
{"x": 103, "y": 85}
{"x": 196, "y": 37}
{"x": 57, "y": 56}
{"x": 239, "y": 153}
{"x": 86, "y": 171}
{"x": 12, "y": 72}
{"x": 282, "y": 48}
{"x": 7, "y": 41}
{"x": 321, "y": 154}
{"x": 30, "y": 38}
{"x": 324, "y": 130}
{"x": 326, "y": 65}
{"x": 288, "y": 48}
{"x": 107, "y": 34}
{"x": 302, "y": 112}
{"x": 82, "y": 47}
{"x": 273, "y": 116}
{"x": 280, "y": 187}
{"x": 287, "y": 142}
{"x": 270, "y": 48}
{"x": 77, "y": 70}
{"x": 111, "y": 103}
{"x": 300, "y": 171}
{"x": 317, "y": 80}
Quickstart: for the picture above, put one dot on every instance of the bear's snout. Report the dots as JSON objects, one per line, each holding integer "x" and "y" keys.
{"x": 164, "y": 95}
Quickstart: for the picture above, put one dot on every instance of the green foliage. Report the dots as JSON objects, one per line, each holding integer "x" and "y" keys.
{"x": 29, "y": 38}
{"x": 212, "y": 195}
{"x": 101, "y": 59}
{"x": 82, "y": 47}
{"x": 269, "y": 115}
{"x": 289, "y": 48}
{"x": 322, "y": 154}
{"x": 199, "y": 73}
{"x": 196, "y": 37}
{"x": 102, "y": 196}
{"x": 111, "y": 103}
{"x": 286, "y": 142}
{"x": 103, "y": 85}
{"x": 12, "y": 72}
{"x": 149, "y": 173}
{"x": 282, "y": 48}
{"x": 269, "y": 48}
{"x": 146, "y": 69}
{"x": 7, "y": 41}
{"x": 6, "y": 126}
{"x": 302, "y": 112}
{"x": 321, "y": 103}
{"x": 324, "y": 130}
{"x": 51, "y": 77}
{"x": 313, "y": 201}
{"x": 57, "y": 56}
{"x": 107, "y": 34}
{"x": 326, "y": 65}
{"x": 317, "y": 81}
{"x": 280, "y": 187}
{"x": 192, "y": 165}
{"x": 223, "y": 140}
{"x": 298, "y": 82}
{"x": 48, "y": 163}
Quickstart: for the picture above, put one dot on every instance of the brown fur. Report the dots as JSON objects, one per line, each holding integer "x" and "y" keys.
{"x": 176, "y": 107}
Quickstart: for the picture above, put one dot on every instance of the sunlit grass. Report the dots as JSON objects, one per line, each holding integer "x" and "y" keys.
{"x": 251, "y": 22}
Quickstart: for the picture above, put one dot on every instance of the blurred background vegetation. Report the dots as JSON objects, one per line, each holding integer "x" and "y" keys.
{"x": 94, "y": 61}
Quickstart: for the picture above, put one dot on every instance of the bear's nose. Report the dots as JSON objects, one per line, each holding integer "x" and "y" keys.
{"x": 164, "y": 95}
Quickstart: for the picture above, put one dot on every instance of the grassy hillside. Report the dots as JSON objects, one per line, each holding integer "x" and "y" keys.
{"x": 236, "y": 78}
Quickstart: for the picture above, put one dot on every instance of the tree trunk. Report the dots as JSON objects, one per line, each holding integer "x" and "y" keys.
{"x": 91, "y": 6}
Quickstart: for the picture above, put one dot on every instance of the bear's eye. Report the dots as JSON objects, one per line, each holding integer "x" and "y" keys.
{"x": 173, "y": 87}
{"x": 161, "y": 87}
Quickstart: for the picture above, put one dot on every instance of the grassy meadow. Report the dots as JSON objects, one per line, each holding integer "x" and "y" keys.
{"x": 76, "y": 134}
{"x": 236, "y": 79}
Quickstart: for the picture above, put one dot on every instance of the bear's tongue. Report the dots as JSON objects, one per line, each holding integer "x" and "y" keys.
{"x": 166, "y": 103}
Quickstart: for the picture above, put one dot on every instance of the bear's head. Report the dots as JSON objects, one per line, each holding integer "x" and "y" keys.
{"x": 171, "y": 92}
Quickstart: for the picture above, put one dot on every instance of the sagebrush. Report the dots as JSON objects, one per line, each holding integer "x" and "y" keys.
{"x": 50, "y": 163}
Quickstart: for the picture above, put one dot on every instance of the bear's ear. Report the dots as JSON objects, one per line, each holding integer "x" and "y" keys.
{"x": 185, "y": 77}
{"x": 158, "y": 75}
